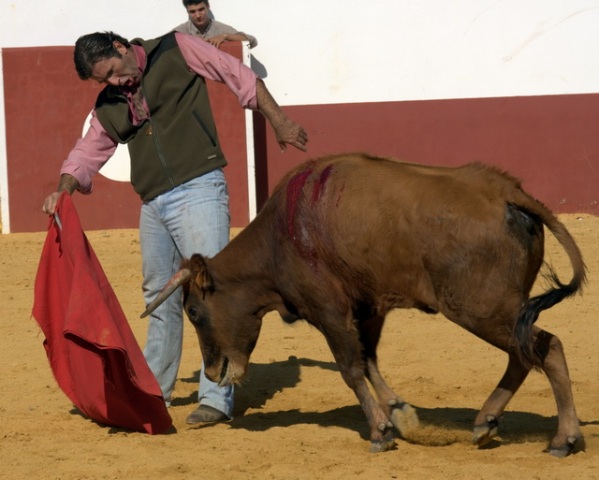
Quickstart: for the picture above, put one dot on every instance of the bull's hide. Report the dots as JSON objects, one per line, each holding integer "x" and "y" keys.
{"x": 91, "y": 349}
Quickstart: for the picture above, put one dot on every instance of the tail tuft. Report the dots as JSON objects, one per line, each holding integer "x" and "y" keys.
{"x": 557, "y": 292}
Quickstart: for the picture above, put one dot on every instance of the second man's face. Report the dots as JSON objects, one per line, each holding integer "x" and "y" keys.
{"x": 199, "y": 14}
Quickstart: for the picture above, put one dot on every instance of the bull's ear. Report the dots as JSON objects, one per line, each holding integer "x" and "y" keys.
{"x": 201, "y": 272}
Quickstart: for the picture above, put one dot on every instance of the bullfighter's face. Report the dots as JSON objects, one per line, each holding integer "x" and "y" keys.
{"x": 120, "y": 70}
{"x": 226, "y": 329}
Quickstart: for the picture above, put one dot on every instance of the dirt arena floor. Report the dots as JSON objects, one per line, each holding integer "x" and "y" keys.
{"x": 295, "y": 418}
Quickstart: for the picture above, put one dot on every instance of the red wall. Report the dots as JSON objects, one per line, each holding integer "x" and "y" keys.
{"x": 45, "y": 107}
{"x": 550, "y": 142}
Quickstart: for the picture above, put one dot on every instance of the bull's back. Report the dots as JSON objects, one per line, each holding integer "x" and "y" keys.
{"x": 363, "y": 204}
{"x": 392, "y": 229}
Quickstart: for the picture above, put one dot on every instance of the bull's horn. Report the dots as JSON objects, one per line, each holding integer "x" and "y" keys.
{"x": 176, "y": 280}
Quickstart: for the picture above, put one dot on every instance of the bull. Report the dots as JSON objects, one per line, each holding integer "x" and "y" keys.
{"x": 346, "y": 238}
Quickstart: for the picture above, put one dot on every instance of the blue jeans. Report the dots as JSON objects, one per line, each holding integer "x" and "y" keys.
{"x": 191, "y": 218}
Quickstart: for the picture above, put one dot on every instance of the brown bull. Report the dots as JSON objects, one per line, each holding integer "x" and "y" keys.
{"x": 345, "y": 239}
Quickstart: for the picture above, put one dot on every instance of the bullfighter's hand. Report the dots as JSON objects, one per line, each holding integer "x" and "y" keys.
{"x": 49, "y": 206}
{"x": 289, "y": 132}
{"x": 68, "y": 184}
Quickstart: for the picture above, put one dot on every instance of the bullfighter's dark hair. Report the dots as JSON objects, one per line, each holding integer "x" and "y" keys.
{"x": 93, "y": 47}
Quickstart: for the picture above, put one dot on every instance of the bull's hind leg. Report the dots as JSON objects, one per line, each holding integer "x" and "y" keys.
{"x": 552, "y": 360}
{"x": 487, "y": 420}
{"x": 402, "y": 415}
{"x": 498, "y": 333}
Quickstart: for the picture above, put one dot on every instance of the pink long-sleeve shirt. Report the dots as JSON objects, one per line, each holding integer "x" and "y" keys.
{"x": 96, "y": 147}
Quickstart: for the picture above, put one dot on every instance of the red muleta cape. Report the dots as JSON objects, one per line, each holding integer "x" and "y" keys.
{"x": 92, "y": 351}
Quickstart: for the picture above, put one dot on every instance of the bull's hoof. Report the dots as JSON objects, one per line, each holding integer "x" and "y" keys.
{"x": 383, "y": 439}
{"x": 572, "y": 445}
{"x": 404, "y": 417}
{"x": 485, "y": 433}
{"x": 384, "y": 445}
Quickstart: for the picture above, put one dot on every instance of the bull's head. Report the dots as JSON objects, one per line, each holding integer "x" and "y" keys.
{"x": 225, "y": 319}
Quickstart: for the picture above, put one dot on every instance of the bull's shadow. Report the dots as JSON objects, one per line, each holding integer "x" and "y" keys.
{"x": 439, "y": 425}
{"x": 262, "y": 382}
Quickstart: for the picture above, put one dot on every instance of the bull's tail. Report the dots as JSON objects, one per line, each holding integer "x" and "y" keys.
{"x": 557, "y": 290}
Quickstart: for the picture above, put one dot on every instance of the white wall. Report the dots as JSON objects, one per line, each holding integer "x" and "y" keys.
{"x": 335, "y": 51}
{"x": 316, "y": 52}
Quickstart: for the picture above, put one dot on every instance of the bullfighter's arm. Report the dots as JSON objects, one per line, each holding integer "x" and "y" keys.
{"x": 286, "y": 130}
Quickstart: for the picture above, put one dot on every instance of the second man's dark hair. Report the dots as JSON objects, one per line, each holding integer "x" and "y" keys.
{"x": 187, "y": 3}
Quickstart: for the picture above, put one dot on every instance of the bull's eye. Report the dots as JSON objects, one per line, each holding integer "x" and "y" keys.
{"x": 192, "y": 312}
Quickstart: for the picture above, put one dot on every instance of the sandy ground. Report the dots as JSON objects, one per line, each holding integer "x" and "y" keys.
{"x": 295, "y": 418}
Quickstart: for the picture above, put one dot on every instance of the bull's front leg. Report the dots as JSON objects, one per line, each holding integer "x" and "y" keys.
{"x": 346, "y": 348}
{"x": 402, "y": 414}
{"x": 382, "y": 433}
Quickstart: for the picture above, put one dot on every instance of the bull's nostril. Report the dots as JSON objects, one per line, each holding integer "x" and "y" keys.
{"x": 223, "y": 370}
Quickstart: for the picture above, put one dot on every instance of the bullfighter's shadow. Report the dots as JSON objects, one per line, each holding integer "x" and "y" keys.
{"x": 439, "y": 426}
